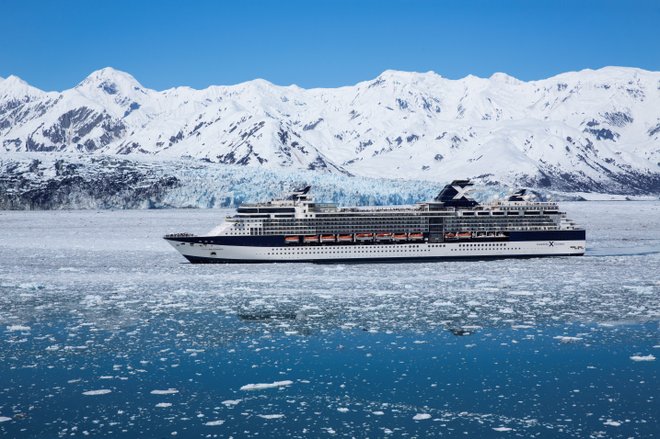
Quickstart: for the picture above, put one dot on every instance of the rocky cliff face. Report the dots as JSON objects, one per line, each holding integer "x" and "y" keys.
{"x": 581, "y": 131}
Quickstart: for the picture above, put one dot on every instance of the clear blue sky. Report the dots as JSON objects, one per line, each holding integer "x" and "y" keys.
{"x": 55, "y": 44}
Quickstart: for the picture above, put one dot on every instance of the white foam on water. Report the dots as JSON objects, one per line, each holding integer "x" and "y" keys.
{"x": 421, "y": 416}
{"x": 342, "y": 409}
{"x": 164, "y": 404}
{"x": 261, "y": 386}
{"x": 215, "y": 423}
{"x": 649, "y": 357}
{"x": 378, "y": 413}
{"x": 97, "y": 392}
{"x": 4, "y": 419}
{"x": 169, "y": 391}
{"x": 612, "y": 423}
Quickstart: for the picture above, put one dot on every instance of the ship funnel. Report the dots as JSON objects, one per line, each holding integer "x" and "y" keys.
{"x": 457, "y": 194}
{"x": 518, "y": 196}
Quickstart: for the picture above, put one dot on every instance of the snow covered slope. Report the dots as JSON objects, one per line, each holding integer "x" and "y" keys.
{"x": 591, "y": 131}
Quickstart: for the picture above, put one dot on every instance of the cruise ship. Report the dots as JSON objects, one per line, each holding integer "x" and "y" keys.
{"x": 452, "y": 226}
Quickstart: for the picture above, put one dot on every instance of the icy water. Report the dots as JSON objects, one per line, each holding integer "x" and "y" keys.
{"x": 107, "y": 332}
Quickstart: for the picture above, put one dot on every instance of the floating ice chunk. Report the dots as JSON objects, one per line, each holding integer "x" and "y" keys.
{"x": 421, "y": 416}
{"x": 612, "y": 423}
{"x": 261, "y": 386}
{"x": 16, "y": 328}
{"x": 649, "y": 357}
{"x": 169, "y": 391}
{"x": 502, "y": 429}
{"x": 273, "y": 416}
{"x": 567, "y": 339}
{"x": 97, "y": 392}
{"x": 4, "y": 419}
{"x": 521, "y": 293}
{"x": 231, "y": 402}
{"x": 215, "y": 423}
{"x": 164, "y": 404}
{"x": 342, "y": 409}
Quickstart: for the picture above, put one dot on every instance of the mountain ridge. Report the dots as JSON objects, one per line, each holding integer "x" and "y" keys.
{"x": 591, "y": 130}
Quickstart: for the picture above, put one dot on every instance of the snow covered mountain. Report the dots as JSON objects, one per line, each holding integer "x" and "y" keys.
{"x": 591, "y": 130}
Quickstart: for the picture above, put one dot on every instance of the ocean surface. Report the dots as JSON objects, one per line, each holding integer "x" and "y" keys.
{"x": 106, "y": 331}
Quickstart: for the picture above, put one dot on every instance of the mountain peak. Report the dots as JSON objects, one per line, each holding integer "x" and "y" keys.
{"x": 15, "y": 81}
{"x": 407, "y": 76}
{"x": 15, "y": 86}
{"x": 504, "y": 78}
{"x": 111, "y": 81}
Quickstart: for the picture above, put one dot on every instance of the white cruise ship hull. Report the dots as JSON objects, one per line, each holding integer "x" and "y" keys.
{"x": 199, "y": 252}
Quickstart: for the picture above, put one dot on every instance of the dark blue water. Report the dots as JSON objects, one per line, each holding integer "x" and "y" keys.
{"x": 545, "y": 348}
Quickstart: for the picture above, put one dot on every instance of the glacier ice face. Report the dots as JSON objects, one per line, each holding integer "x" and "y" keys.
{"x": 36, "y": 181}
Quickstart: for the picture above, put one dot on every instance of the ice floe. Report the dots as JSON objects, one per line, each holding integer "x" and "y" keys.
{"x": 17, "y": 328}
{"x": 231, "y": 402}
{"x": 169, "y": 391}
{"x": 649, "y": 357}
{"x": 421, "y": 416}
{"x": 502, "y": 429}
{"x": 567, "y": 339}
{"x": 97, "y": 392}
{"x": 261, "y": 386}
{"x": 272, "y": 416}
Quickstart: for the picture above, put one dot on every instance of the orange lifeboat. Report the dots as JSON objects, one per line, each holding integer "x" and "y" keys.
{"x": 291, "y": 239}
{"x": 383, "y": 236}
{"x": 311, "y": 239}
{"x": 450, "y": 235}
{"x": 416, "y": 236}
{"x": 399, "y": 237}
{"x": 364, "y": 237}
{"x": 465, "y": 235}
{"x": 344, "y": 238}
{"x": 327, "y": 238}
